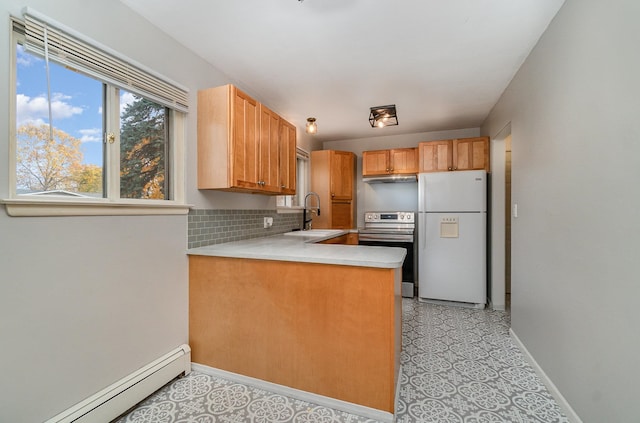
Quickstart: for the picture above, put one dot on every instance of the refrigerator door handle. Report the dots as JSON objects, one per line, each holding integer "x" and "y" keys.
{"x": 422, "y": 224}
{"x": 421, "y": 193}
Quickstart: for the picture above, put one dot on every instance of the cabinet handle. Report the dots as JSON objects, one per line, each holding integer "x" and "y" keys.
{"x": 450, "y": 168}
{"x": 283, "y": 186}
{"x": 332, "y": 194}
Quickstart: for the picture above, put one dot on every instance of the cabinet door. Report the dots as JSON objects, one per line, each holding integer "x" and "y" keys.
{"x": 435, "y": 156}
{"x": 341, "y": 215}
{"x": 403, "y": 161}
{"x": 471, "y": 154}
{"x": 246, "y": 137}
{"x": 287, "y": 158}
{"x": 342, "y": 175}
{"x": 375, "y": 162}
{"x": 269, "y": 178}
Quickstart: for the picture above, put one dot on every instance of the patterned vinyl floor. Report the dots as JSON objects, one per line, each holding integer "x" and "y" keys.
{"x": 458, "y": 366}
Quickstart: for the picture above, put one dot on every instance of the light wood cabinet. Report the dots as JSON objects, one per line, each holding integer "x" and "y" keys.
{"x": 287, "y": 158}
{"x": 342, "y": 168}
{"x": 268, "y": 165}
{"x": 327, "y": 329}
{"x": 375, "y": 162}
{"x": 332, "y": 178}
{"x": 456, "y": 154}
{"x": 435, "y": 156}
{"x": 398, "y": 161}
{"x": 346, "y": 239}
{"x": 240, "y": 144}
{"x": 342, "y": 239}
{"x": 471, "y": 154}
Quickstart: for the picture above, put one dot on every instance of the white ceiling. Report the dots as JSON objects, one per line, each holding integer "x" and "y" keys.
{"x": 443, "y": 63}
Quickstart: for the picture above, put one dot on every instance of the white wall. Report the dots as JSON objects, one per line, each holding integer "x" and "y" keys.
{"x": 574, "y": 109}
{"x": 85, "y": 301}
{"x": 389, "y": 197}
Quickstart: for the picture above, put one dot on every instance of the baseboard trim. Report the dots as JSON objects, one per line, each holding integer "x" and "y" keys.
{"x": 551, "y": 387}
{"x": 117, "y": 398}
{"x": 336, "y": 404}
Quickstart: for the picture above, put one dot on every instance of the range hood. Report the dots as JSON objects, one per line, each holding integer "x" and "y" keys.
{"x": 389, "y": 179}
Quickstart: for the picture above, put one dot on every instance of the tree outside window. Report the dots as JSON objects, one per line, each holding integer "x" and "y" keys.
{"x": 69, "y": 158}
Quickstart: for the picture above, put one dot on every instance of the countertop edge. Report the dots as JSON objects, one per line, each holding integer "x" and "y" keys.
{"x": 304, "y": 250}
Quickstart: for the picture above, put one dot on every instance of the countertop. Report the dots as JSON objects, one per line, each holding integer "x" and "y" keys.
{"x": 305, "y": 249}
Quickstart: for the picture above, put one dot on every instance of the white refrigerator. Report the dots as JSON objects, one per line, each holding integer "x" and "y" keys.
{"x": 452, "y": 246}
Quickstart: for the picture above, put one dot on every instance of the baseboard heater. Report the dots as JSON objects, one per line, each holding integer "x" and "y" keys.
{"x": 114, "y": 400}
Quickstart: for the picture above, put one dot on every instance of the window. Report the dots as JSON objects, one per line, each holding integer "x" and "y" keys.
{"x": 302, "y": 182}
{"x": 89, "y": 133}
{"x": 285, "y": 202}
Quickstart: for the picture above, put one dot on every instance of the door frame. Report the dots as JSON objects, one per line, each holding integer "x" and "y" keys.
{"x": 498, "y": 219}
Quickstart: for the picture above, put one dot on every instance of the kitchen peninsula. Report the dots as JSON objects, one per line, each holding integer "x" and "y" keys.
{"x": 324, "y": 319}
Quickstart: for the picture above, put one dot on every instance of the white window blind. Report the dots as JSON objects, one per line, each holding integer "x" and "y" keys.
{"x": 68, "y": 48}
{"x": 302, "y": 154}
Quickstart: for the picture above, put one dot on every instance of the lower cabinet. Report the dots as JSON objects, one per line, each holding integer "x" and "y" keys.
{"x": 348, "y": 239}
{"x": 342, "y": 214}
{"x": 331, "y": 330}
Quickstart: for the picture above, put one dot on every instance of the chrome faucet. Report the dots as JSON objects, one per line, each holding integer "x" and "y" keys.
{"x": 306, "y": 221}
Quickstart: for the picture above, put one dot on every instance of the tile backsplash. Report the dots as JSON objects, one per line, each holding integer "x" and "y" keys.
{"x": 215, "y": 226}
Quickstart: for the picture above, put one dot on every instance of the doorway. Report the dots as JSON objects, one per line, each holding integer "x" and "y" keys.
{"x": 507, "y": 221}
{"x": 501, "y": 170}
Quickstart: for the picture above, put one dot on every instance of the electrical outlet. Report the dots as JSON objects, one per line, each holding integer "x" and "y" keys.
{"x": 268, "y": 222}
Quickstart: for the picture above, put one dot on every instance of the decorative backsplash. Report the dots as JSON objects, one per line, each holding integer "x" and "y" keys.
{"x": 213, "y": 226}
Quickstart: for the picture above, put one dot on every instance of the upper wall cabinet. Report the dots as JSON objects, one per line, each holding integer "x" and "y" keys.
{"x": 399, "y": 161}
{"x": 287, "y": 158}
{"x": 456, "y": 154}
{"x": 242, "y": 145}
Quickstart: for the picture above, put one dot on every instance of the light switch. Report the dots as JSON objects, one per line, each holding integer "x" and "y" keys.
{"x": 515, "y": 210}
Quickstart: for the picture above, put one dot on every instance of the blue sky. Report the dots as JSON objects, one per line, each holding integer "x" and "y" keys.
{"x": 76, "y": 102}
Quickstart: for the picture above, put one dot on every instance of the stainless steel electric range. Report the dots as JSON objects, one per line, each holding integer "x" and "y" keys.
{"x": 394, "y": 229}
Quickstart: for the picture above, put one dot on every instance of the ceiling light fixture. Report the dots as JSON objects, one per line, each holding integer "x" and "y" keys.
{"x": 312, "y": 126}
{"x": 381, "y": 116}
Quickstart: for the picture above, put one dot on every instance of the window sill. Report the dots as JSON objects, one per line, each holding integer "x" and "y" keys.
{"x": 19, "y": 207}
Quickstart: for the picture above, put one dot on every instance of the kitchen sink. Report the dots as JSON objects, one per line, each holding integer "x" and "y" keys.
{"x": 315, "y": 232}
